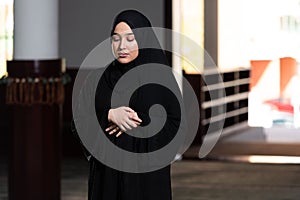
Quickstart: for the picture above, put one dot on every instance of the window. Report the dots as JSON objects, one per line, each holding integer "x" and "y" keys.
{"x": 188, "y": 19}
{"x": 257, "y": 30}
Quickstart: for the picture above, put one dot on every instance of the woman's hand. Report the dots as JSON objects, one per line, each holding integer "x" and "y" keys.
{"x": 113, "y": 129}
{"x": 123, "y": 119}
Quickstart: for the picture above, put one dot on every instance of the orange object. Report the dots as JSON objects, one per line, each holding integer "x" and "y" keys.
{"x": 288, "y": 68}
{"x": 258, "y": 68}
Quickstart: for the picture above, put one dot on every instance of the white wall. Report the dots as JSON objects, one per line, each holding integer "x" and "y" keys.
{"x": 84, "y": 24}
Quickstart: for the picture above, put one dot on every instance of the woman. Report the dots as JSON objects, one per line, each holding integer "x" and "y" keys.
{"x": 133, "y": 44}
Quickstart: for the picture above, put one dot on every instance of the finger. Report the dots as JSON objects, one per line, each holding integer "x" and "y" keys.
{"x": 114, "y": 130}
{"x": 131, "y": 123}
{"x": 136, "y": 119}
{"x": 137, "y": 123}
{"x": 111, "y": 127}
{"x": 128, "y": 109}
{"x": 119, "y": 133}
{"x": 126, "y": 125}
{"x": 122, "y": 128}
{"x": 134, "y": 122}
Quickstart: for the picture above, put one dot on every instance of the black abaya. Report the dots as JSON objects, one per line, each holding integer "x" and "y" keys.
{"x": 106, "y": 183}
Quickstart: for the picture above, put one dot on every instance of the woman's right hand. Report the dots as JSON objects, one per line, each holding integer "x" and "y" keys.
{"x": 124, "y": 117}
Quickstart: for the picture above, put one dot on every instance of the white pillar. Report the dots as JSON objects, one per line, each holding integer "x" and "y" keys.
{"x": 35, "y": 29}
{"x": 176, "y": 60}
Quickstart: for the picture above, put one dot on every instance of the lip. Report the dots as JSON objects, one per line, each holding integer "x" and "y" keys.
{"x": 123, "y": 55}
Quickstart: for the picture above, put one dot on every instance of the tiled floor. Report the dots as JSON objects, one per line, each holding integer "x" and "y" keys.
{"x": 235, "y": 181}
{"x": 197, "y": 180}
{"x": 74, "y": 179}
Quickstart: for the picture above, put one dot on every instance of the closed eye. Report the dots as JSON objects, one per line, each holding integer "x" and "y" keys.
{"x": 130, "y": 39}
{"x": 115, "y": 38}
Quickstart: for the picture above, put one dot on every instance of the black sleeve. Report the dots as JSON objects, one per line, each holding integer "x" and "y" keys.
{"x": 83, "y": 103}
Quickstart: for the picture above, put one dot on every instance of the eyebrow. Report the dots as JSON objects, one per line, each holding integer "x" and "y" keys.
{"x": 123, "y": 34}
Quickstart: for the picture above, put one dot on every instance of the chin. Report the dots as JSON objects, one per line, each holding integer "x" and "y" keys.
{"x": 124, "y": 61}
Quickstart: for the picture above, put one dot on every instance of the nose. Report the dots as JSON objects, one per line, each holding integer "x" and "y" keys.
{"x": 122, "y": 44}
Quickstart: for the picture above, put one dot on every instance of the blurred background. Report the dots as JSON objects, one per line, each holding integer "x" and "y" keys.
{"x": 255, "y": 45}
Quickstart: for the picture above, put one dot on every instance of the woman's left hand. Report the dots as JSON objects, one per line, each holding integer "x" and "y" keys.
{"x": 114, "y": 129}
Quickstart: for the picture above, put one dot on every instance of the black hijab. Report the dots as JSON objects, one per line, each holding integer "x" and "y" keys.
{"x": 133, "y": 18}
{"x": 145, "y": 37}
{"x": 145, "y": 96}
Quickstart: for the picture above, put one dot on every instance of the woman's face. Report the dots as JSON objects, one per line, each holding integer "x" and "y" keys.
{"x": 124, "y": 45}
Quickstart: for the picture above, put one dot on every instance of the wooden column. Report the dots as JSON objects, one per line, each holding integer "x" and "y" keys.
{"x": 35, "y": 129}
